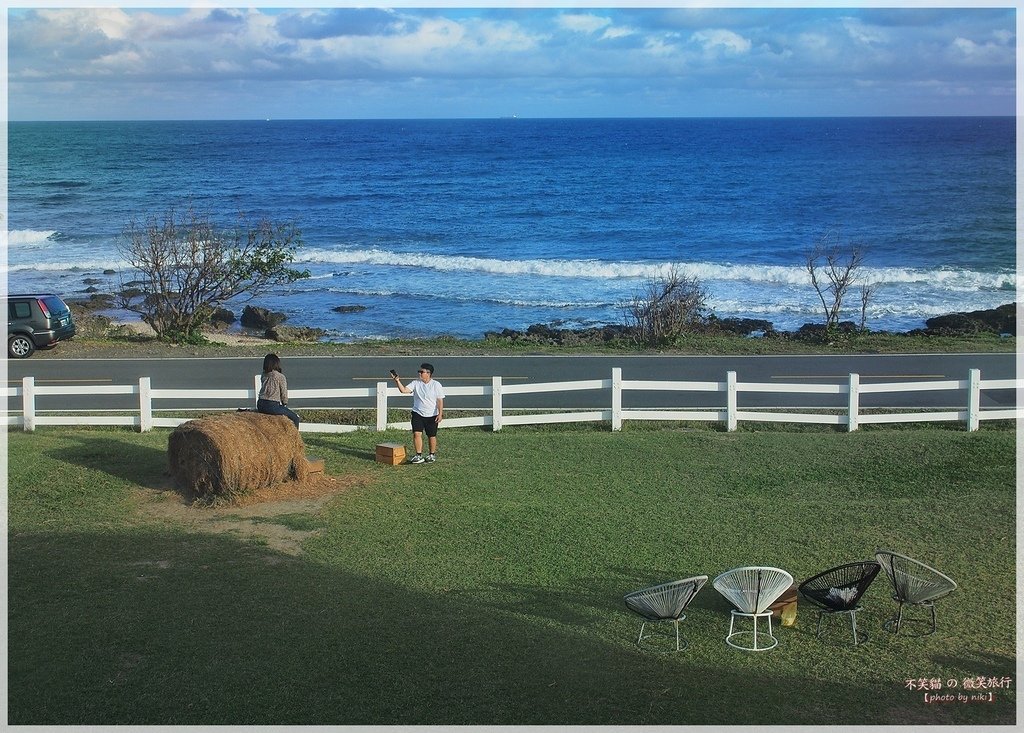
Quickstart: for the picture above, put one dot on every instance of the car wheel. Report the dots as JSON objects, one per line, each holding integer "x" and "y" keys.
{"x": 20, "y": 347}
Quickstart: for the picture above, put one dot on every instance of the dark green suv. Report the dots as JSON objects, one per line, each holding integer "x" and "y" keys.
{"x": 36, "y": 322}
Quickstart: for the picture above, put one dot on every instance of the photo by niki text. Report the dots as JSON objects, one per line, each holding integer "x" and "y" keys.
{"x": 967, "y": 689}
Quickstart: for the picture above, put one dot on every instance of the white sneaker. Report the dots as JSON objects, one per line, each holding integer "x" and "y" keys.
{"x": 431, "y": 458}
{"x": 417, "y": 459}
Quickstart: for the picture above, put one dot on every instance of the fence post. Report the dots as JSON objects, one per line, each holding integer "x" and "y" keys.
{"x": 28, "y": 404}
{"x": 616, "y": 399}
{"x": 853, "y": 416}
{"x": 973, "y": 399}
{"x": 496, "y": 405}
{"x": 730, "y": 401}
{"x": 382, "y": 406}
{"x": 145, "y": 406}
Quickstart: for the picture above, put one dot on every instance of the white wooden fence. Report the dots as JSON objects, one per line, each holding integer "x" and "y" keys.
{"x": 730, "y": 413}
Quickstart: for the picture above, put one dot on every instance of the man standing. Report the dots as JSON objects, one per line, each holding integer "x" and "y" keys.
{"x": 427, "y": 410}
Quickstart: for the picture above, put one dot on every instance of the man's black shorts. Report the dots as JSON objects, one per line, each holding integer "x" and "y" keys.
{"x": 426, "y": 425}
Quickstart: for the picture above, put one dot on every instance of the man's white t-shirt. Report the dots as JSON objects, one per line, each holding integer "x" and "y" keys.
{"x": 425, "y": 396}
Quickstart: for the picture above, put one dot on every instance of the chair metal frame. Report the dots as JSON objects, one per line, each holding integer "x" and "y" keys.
{"x": 913, "y": 584}
{"x": 851, "y": 581}
{"x": 758, "y": 588}
{"x": 664, "y": 602}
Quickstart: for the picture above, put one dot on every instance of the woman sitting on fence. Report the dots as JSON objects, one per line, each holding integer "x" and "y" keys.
{"x": 273, "y": 397}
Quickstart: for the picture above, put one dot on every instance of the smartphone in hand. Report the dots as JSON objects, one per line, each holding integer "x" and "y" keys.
{"x": 394, "y": 373}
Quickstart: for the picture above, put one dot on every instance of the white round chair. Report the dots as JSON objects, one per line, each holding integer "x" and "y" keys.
{"x": 752, "y": 590}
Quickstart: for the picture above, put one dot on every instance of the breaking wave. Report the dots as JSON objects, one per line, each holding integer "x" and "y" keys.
{"x": 29, "y": 237}
{"x": 603, "y": 270}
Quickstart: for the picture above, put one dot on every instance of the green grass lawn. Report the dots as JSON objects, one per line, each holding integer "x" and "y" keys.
{"x": 487, "y": 588}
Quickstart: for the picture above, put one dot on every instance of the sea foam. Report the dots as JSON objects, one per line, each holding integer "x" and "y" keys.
{"x": 29, "y": 237}
{"x": 604, "y": 270}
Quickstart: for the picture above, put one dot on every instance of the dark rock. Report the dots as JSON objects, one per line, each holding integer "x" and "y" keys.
{"x": 816, "y": 331}
{"x": 740, "y": 326}
{"x": 96, "y": 301}
{"x": 294, "y": 333}
{"x": 91, "y": 281}
{"x": 222, "y": 318}
{"x": 132, "y": 293}
{"x": 349, "y": 309}
{"x": 91, "y": 289}
{"x": 542, "y": 333}
{"x": 993, "y": 320}
{"x": 110, "y": 272}
{"x": 261, "y": 318}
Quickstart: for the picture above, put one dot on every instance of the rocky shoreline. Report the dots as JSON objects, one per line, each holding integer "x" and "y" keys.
{"x": 262, "y": 324}
{"x": 1000, "y": 321}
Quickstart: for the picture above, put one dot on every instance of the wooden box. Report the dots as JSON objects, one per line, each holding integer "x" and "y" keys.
{"x": 390, "y": 453}
{"x": 784, "y": 608}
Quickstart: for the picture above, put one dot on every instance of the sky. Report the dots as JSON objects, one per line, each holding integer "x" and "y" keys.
{"x": 78, "y": 63}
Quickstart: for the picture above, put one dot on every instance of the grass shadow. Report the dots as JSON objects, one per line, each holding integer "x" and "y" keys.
{"x": 144, "y": 628}
{"x": 122, "y": 459}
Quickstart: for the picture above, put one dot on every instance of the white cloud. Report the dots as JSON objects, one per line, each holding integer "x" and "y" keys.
{"x": 552, "y": 54}
{"x": 973, "y": 53}
{"x": 720, "y": 39}
{"x": 582, "y": 22}
{"x": 865, "y": 34}
{"x": 617, "y": 32}
{"x": 814, "y": 41}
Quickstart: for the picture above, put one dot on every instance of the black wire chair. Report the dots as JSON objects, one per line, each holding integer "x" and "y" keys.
{"x": 665, "y": 602}
{"x": 839, "y": 590}
{"x": 913, "y": 584}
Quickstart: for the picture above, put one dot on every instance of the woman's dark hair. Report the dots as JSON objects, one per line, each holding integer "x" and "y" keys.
{"x": 271, "y": 363}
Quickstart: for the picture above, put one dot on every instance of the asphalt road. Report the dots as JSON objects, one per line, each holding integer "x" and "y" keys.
{"x": 310, "y": 372}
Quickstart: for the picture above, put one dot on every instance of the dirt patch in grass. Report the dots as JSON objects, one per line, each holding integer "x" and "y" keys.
{"x": 252, "y": 516}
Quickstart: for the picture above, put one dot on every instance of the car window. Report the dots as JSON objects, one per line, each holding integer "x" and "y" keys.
{"x": 54, "y": 304}
{"x": 21, "y": 310}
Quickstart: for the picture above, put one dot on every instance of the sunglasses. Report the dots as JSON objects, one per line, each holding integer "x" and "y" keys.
{"x": 423, "y": 371}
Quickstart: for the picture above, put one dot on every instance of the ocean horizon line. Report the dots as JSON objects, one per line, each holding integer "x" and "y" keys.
{"x": 510, "y": 118}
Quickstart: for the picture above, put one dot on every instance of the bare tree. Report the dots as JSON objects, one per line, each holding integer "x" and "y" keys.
{"x": 666, "y": 307}
{"x": 183, "y": 267}
{"x": 867, "y": 292}
{"x": 834, "y": 270}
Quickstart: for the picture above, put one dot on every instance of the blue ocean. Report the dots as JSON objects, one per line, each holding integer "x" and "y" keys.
{"x": 466, "y": 226}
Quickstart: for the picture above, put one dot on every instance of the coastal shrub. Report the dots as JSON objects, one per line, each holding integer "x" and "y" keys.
{"x": 184, "y": 267}
{"x": 667, "y": 307}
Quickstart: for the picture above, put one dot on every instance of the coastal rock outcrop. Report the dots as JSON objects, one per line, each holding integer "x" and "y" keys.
{"x": 540, "y": 333}
{"x": 261, "y": 318}
{"x": 1002, "y": 319}
{"x": 294, "y": 333}
{"x": 740, "y": 326}
{"x": 222, "y": 318}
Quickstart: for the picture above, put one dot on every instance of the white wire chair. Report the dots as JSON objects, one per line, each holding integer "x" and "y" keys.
{"x": 665, "y": 602}
{"x": 752, "y": 590}
{"x": 914, "y": 584}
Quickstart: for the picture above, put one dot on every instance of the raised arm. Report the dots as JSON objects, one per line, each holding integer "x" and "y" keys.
{"x": 401, "y": 387}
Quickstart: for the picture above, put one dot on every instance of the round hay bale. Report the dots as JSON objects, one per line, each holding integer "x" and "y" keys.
{"x": 232, "y": 454}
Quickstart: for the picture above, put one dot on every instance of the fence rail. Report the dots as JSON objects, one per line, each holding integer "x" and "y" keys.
{"x": 380, "y": 396}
